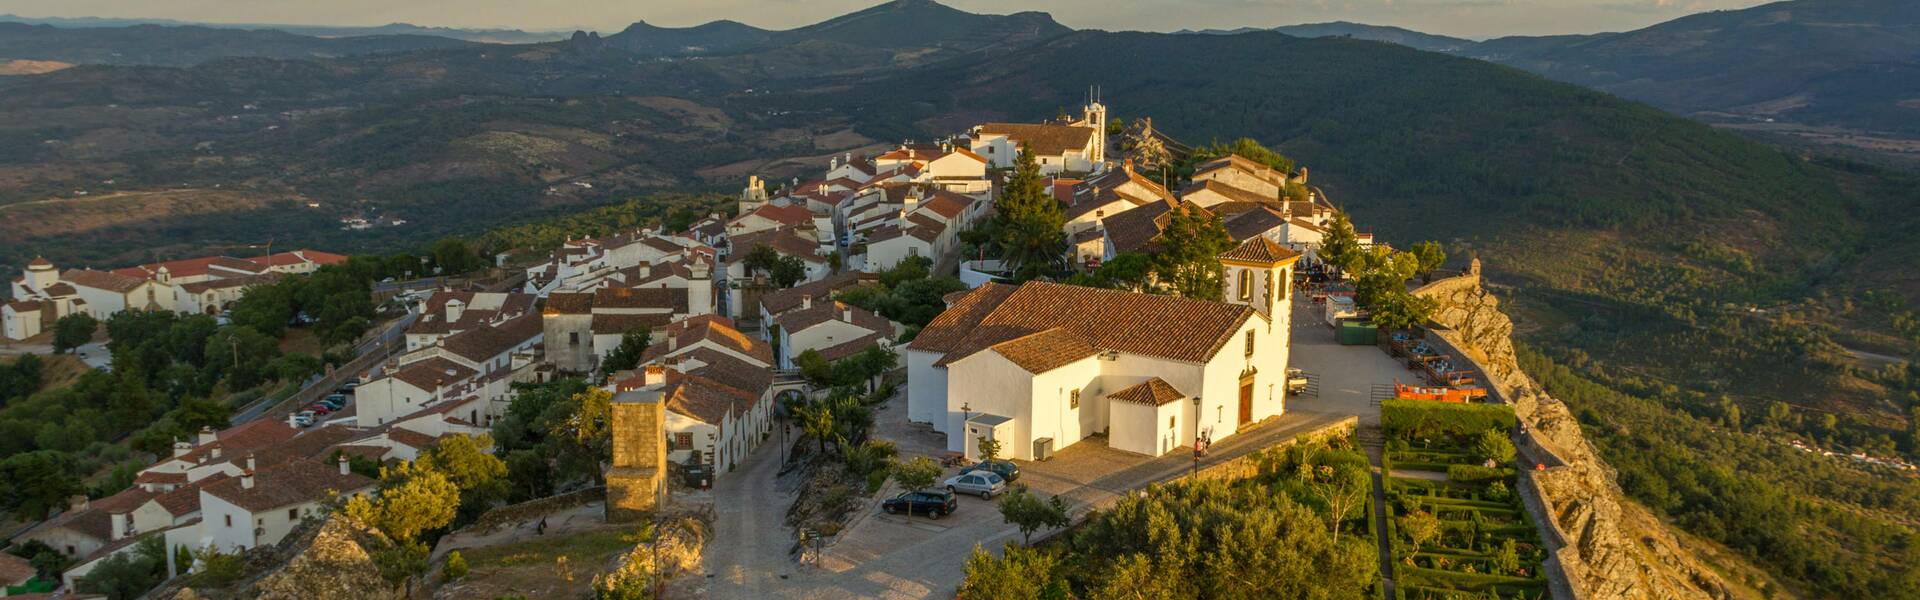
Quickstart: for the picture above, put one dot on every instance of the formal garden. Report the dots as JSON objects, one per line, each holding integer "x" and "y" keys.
{"x": 1458, "y": 527}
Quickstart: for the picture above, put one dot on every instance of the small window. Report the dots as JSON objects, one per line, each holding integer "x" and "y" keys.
{"x": 573, "y": 338}
{"x": 229, "y": 520}
{"x": 1170, "y": 422}
{"x": 1286, "y": 281}
{"x": 1073, "y": 399}
{"x": 1249, "y": 343}
{"x": 683, "y": 440}
{"x": 293, "y": 514}
{"x": 1246, "y": 284}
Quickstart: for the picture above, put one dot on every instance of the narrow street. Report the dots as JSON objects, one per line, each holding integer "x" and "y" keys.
{"x": 747, "y": 557}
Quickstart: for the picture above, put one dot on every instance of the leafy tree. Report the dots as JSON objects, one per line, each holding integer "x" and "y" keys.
{"x": 412, "y": 500}
{"x": 1398, "y": 309}
{"x": 265, "y": 309}
{"x": 296, "y": 366}
{"x": 215, "y": 569}
{"x": 874, "y": 363}
{"x": 194, "y": 414}
{"x": 817, "y": 422}
{"x": 1494, "y": 445}
{"x": 73, "y": 331}
{"x": 626, "y": 356}
{"x": 1778, "y": 413}
{"x": 1131, "y": 271}
{"x": 1431, "y": 256}
{"x": 581, "y": 435}
{"x": 1024, "y": 573}
{"x": 815, "y": 368}
{"x": 1340, "y": 242}
{"x": 1029, "y": 222}
{"x": 481, "y": 476}
{"x": 1340, "y": 486}
{"x": 783, "y": 270}
{"x": 241, "y": 355}
{"x": 1187, "y": 258}
{"x": 1913, "y": 429}
{"x": 917, "y": 474}
{"x": 1729, "y": 413}
{"x": 1247, "y": 148}
{"x": 20, "y": 379}
{"x": 33, "y": 484}
{"x": 128, "y": 575}
{"x": 1420, "y": 527}
{"x": 989, "y": 448}
{"x": 453, "y": 256}
{"x": 1025, "y": 509}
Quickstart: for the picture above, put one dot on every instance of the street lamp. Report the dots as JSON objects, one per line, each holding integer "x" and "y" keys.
{"x": 1197, "y": 443}
{"x": 966, "y": 414}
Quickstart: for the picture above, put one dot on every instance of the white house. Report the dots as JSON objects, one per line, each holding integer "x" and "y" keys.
{"x": 1078, "y": 146}
{"x": 832, "y": 328}
{"x": 1042, "y": 366}
{"x": 260, "y": 508}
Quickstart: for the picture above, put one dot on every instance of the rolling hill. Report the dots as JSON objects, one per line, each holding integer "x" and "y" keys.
{"x": 1361, "y": 31}
{"x": 180, "y": 46}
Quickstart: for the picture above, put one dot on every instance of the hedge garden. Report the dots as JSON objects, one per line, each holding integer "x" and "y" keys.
{"x": 1467, "y": 537}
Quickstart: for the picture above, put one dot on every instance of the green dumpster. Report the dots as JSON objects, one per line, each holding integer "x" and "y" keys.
{"x": 1358, "y": 333}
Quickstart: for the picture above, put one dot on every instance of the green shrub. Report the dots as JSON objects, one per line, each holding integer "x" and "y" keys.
{"x": 455, "y": 568}
{"x": 1477, "y": 474}
{"x": 1417, "y": 419}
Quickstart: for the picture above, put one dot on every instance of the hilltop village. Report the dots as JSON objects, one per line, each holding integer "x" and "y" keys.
{"x": 1093, "y": 305}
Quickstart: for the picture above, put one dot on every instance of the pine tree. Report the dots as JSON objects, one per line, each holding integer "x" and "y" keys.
{"x": 1340, "y": 243}
{"x": 1029, "y": 223}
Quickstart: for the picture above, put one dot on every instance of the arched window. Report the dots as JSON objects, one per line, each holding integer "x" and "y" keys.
{"x": 1246, "y": 284}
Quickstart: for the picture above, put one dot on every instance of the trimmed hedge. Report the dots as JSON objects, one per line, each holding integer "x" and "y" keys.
{"x": 1478, "y": 474}
{"x": 1417, "y": 418}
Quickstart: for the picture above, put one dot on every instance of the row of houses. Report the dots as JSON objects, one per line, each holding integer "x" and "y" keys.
{"x": 207, "y": 285}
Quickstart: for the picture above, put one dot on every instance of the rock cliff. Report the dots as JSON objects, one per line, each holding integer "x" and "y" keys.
{"x": 325, "y": 561}
{"x": 1613, "y": 549}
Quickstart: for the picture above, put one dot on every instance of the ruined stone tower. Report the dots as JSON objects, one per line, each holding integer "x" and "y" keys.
{"x": 637, "y": 480}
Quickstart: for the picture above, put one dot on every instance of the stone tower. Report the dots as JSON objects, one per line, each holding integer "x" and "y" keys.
{"x": 755, "y": 194}
{"x": 1095, "y": 116}
{"x": 1258, "y": 273}
{"x": 637, "y": 480}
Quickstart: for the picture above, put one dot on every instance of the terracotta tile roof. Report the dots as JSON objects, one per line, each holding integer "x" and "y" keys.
{"x": 1169, "y": 327}
{"x": 791, "y": 214}
{"x": 485, "y": 342}
{"x": 232, "y": 282}
{"x": 431, "y": 373}
{"x": 236, "y": 264}
{"x": 733, "y": 372}
{"x": 671, "y": 300}
{"x": 852, "y": 347}
{"x": 186, "y": 499}
{"x": 1260, "y": 250}
{"x": 15, "y": 570}
{"x": 1152, "y": 392}
{"x": 689, "y": 332}
{"x": 947, "y": 204}
{"x": 806, "y": 318}
{"x": 101, "y": 280}
{"x": 295, "y": 257}
{"x": 1046, "y": 140}
{"x": 1308, "y": 225}
{"x": 288, "y": 484}
{"x": 60, "y": 290}
{"x": 785, "y": 240}
{"x": 40, "y": 261}
{"x": 1252, "y": 223}
{"x": 24, "y": 306}
{"x": 1231, "y": 193}
{"x": 1046, "y": 350}
{"x": 622, "y": 323}
{"x": 160, "y": 477}
{"x": 705, "y": 399}
{"x": 569, "y": 303}
{"x": 790, "y": 298}
{"x": 188, "y": 267}
{"x": 410, "y": 438}
{"x": 1132, "y": 230}
{"x": 479, "y": 308}
{"x": 1243, "y": 164}
{"x": 947, "y": 330}
{"x": 240, "y": 439}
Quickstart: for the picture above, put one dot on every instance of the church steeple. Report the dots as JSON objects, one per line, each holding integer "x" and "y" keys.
{"x": 1258, "y": 274}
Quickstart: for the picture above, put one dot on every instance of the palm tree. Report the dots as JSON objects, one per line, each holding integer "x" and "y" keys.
{"x": 816, "y": 421}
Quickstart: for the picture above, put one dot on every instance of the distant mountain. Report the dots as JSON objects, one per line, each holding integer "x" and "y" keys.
{"x": 491, "y": 36}
{"x": 905, "y": 24}
{"x": 179, "y": 46}
{"x": 1359, "y": 31}
{"x": 1850, "y": 63}
{"x": 717, "y": 36}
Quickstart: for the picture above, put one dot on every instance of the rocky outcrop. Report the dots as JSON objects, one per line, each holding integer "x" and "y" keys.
{"x": 1608, "y": 548}
{"x": 324, "y": 561}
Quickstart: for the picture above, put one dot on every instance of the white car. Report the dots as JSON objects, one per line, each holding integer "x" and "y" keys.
{"x": 304, "y": 419}
{"x": 984, "y": 483}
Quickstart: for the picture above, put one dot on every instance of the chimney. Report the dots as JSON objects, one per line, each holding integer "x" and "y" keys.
{"x": 78, "y": 502}
{"x": 454, "y": 308}
{"x": 215, "y": 453}
{"x": 673, "y": 343}
{"x": 846, "y": 314}
{"x": 206, "y": 435}
{"x": 246, "y": 479}
{"x": 250, "y": 466}
{"x": 655, "y": 374}
{"x": 806, "y": 302}
{"x": 181, "y": 449}
{"x": 345, "y": 467}
{"x": 117, "y": 526}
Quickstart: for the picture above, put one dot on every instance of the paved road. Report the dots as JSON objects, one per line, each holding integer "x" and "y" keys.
{"x": 747, "y": 558}
{"x": 391, "y": 334}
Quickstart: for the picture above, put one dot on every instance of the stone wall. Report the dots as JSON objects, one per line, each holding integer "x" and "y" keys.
{"x": 1583, "y": 515}
{"x": 1251, "y": 464}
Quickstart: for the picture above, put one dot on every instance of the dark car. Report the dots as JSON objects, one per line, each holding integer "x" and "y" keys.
{"x": 1005, "y": 469}
{"x": 932, "y": 503}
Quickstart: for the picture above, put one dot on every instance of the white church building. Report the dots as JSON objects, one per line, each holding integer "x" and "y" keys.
{"x": 1041, "y": 366}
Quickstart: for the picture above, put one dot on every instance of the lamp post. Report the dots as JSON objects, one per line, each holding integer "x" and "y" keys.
{"x": 1197, "y": 443}
{"x": 966, "y": 414}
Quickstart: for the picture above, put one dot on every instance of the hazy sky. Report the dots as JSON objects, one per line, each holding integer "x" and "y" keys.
{"x": 1468, "y": 18}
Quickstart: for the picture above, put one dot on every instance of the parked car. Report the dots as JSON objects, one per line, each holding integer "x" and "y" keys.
{"x": 1004, "y": 468}
{"x": 349, "y": 387}
{"x": 305, "y": 418}
{"x": 331, "y": 405}
{"x": 1296, "y": 381}
{"x": 984, "y": 483}
{"x": 932, "y": 503}
{"x": 340, "y": 398}
{"x": 320, "y": 409}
